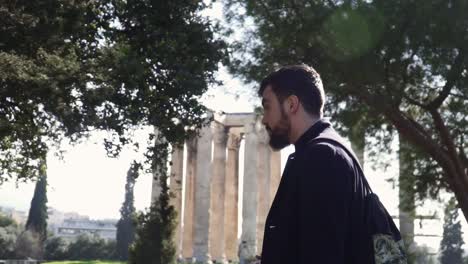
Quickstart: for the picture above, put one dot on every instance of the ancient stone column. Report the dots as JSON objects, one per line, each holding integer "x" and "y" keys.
{"x": 275, "y": 173}
{"x": 202, "y": 197}
{"x": 263, "y": 183}
{"x": 155, "y": 187}
{"x": 406, "y": 194}
{"x": 189, "y": 183}
{"x": 156, "y": 184}
{"x": 231, "y": 197}
{"x": 248, "y": 243}
{"x": 217, "y": 192}
{"x": 175, "y": 179}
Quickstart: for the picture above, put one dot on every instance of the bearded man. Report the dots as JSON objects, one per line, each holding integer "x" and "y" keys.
{"x": 317, "y": 216}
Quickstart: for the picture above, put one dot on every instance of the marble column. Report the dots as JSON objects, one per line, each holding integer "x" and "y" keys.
{"x": 406, "y": 195}
{"x": 156, "y": 184}
{"x": 263, "y": 183}
{"x": 175, "y": 179}
{"x": 248, "y": 243}
{"x": 189, "y": 203}
{"x": 218, "y": 177}
{"x": 231, "y": 197}
{"x": 202, "y": 197}
{"x": 275, "y": 173}
{"x": 155, "y": 187}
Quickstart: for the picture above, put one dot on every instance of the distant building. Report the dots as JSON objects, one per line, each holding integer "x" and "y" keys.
{"x": 70, "y": 225}
{"x": 20, "y": 217}
{"x": 71, "y": 228}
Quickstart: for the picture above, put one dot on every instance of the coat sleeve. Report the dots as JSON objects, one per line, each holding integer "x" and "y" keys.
{"x": 323, "y": 184}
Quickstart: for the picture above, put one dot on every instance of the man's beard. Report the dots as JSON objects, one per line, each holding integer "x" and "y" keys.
{"x": 279, "y": 134}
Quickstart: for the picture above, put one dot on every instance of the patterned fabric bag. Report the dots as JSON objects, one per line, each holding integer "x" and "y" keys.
{"x": 388, "y": 245}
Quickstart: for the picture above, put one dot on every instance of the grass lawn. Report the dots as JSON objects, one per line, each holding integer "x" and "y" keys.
{"x": 85, "y": 262}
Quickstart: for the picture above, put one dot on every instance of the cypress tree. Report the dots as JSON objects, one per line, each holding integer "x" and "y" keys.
{"x": 155, "y": 231}
{"x": 125, "y": 226}
{"x": 37, "y": 218}
{"x": 452, "y": 241}
{"x": 156, "y": 228}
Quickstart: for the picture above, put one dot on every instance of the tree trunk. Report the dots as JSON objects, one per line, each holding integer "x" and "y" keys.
{"x": 444, "y": 152}
{"x": 451, "y": 163}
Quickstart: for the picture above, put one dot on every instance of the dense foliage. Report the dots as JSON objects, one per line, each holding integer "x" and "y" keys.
{"x": 386, "y": 65}
{"x": 68, "y": 68}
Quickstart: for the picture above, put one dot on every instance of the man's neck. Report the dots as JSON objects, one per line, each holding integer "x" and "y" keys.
{"x": 301, "y": 127}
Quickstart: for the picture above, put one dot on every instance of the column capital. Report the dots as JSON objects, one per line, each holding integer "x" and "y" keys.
{"x": 234, "y": 141}
{"x": 219, "y": 132}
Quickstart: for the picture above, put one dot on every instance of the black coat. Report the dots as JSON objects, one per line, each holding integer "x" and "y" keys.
{"x": 317, "y": 215}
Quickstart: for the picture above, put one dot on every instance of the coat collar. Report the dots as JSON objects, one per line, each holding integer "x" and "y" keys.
{"x": 311, "y": 133}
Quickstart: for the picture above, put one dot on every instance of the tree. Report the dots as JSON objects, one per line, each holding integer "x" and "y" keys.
{"x": 68, "y": 68}
{"x": 6, "y": 221}
{"x": 29, "y": 245}
{"x": 9, "y": 232}
{"x": 452, "y": 240}
{"x": 91, "y": 247}
{"x": 388, "y": 65}
{"x": 45, "y": 55}
{"x": 154, "y": 241}
{"x": 125, "y": 226}
{"x": 37, "y": 217}
{"x": 56, "y": 248}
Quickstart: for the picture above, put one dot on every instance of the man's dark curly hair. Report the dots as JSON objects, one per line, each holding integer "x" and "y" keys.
{"x": 299, "y": 80}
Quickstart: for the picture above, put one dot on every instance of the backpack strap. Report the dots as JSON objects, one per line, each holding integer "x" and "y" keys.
{"x": 334, "y": 139}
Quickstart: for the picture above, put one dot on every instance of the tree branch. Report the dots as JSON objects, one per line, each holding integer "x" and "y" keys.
{"x": 464, "y": 159}
{"x": 414, "y": 102}
{"x": 444, "y": 133}
{"x": 413, "y": 131}
{"x": 454, "y": 73}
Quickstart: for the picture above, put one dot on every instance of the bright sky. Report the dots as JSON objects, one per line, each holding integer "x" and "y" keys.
{"x": 90, "y": 183}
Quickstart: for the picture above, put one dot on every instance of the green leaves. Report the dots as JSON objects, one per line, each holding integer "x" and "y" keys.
{"x": 384, "y": 65}
{"x": 349, "y": 33}
{"x": 68, "y": 68}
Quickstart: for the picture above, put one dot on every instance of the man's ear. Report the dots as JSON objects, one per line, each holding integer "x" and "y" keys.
{"x": 292, "y": 104}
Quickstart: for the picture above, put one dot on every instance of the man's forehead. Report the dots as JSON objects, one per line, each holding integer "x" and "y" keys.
{"x": 267, "y": 93}
{"x": 266, "y": 98}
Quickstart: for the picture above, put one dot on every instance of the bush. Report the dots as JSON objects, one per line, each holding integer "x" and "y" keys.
{"x": 9, "y": 232}
{"x": 154, "y": 233}
{"x": 8, "y": 237}
{"x": 7, "y": 221}
{"x": 56, "y": 248}
{"x": 28, "y": 245}
{"x": 87, "y": 247}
